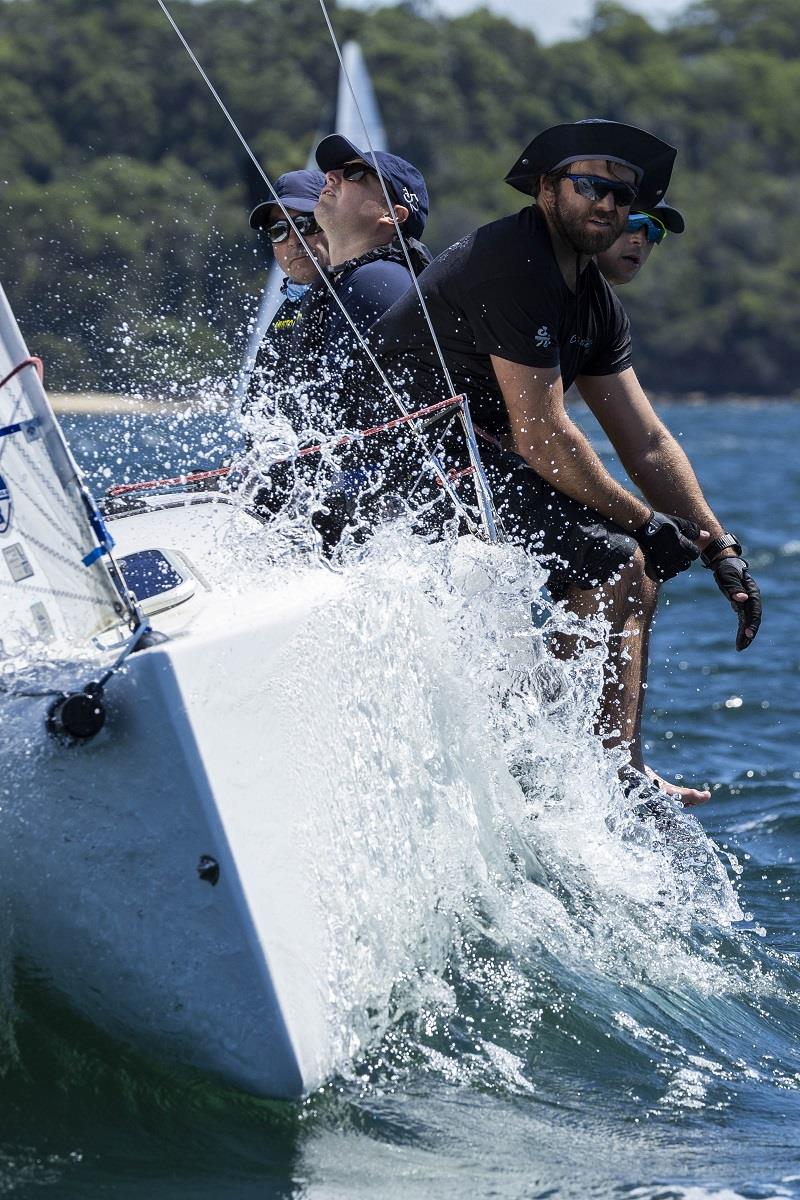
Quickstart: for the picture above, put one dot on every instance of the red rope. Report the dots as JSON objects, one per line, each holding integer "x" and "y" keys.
{"x": 33, "y": 361}
{"x": 122, "y": 489}
{"x": 455, "y": 475}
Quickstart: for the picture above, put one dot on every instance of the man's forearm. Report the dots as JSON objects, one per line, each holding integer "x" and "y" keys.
{"x": 668, "y": 482}
{"x": 566, "y": 459}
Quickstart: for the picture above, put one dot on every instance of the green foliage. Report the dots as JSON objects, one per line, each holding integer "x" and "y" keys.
{"x": 124, "y": 195}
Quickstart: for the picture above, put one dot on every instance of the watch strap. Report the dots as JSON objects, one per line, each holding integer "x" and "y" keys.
{"x": 724, "y": 542}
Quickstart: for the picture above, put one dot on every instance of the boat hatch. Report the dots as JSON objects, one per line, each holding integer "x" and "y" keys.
{"x": 159, "y": 579}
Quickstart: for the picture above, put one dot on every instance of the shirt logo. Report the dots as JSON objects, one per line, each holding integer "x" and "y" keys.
{"x": 584, "y": 343}
{"x": 543, "y": 339}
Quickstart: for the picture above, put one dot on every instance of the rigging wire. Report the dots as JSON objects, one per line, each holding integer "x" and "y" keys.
{"x": 389, "y": 202}
{"x": 432, "y": 457}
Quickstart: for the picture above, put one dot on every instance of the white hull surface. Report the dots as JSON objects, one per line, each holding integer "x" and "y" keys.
{"x": 230, "y": 977}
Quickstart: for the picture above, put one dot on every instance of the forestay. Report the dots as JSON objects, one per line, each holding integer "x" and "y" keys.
{"x": 54, "y": 582}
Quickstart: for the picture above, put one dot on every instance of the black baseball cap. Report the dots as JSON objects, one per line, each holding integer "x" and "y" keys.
{"x": 297, "y": 189}
{"x": 403, "y": 180}
{"x": 647, "y": 156}
{"x": 671, "y": 218}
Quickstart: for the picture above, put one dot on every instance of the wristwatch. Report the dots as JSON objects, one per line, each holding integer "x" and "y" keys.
{"x": 723, "y": 542}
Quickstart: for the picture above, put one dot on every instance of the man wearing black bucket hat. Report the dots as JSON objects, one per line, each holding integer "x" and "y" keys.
{"x": 623, "y": 261}
{"x": 521, "y": 312}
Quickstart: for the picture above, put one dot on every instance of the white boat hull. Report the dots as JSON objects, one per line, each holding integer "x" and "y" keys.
{"x": 310, "y": 732}
{"x": 229, "y": 977}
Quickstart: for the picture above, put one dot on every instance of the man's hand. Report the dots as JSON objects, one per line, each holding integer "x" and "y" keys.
{"x": 735, "y": 581}
{"x": 669, "y": 545}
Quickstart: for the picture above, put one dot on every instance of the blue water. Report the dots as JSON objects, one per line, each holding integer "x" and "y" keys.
{"x": 590, "y": 1067}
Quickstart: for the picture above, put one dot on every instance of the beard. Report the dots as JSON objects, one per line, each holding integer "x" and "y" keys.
{"x": 572, "y": 228}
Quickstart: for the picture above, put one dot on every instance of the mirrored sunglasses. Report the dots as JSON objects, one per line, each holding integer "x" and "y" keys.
{"x": 595, "y": 187}
{"x": 278, "y": 231}
{"x": 656, "y": 232}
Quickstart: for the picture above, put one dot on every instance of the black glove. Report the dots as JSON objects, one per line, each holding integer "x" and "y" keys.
{"x": 668, "y": 544}
{"x": 732, "y": 576}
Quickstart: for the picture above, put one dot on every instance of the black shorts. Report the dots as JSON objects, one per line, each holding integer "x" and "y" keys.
{"x": 579, "y": 546}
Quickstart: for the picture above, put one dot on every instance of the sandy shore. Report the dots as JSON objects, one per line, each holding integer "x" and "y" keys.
{"x": 106, "y": 402}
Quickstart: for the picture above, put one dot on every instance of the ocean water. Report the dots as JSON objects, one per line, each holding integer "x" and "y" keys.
{"x": 597, "y": 1012}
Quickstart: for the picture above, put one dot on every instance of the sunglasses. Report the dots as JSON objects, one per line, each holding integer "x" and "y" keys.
{"x": 278, "y": 231}
{"x": 595, "y": 187}
{"x": 656, "y": 232}
{"x": 354, "y": 172}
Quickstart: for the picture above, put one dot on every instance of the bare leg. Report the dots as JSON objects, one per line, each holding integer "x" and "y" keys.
{"x": 628, "y": 603}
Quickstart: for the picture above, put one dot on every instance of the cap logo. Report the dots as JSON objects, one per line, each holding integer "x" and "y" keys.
{"x": 411, "y": 199}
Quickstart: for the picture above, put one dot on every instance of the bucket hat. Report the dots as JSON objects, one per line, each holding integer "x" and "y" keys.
{"x": 647, "y": 156}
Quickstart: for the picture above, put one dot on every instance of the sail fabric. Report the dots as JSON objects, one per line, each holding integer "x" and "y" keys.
{"x": 349, "y": 121}
{"x": 54, "y": 584}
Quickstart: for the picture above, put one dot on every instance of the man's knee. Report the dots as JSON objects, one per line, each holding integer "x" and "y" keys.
{"x": 641, "y": 592}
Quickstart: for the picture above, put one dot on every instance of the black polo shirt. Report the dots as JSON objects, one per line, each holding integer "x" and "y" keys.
{"x": 500, "y": 292}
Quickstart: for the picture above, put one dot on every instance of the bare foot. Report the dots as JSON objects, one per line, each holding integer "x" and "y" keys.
{"x": 689, "y": 797}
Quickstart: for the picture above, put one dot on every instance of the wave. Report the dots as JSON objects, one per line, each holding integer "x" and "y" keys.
{"x": 529, "y": 935}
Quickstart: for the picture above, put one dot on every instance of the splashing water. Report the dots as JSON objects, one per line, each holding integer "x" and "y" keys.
{"x": 531, "y": 947}
{"x": 474, "y": 828}
{"x": 470, "y": 807}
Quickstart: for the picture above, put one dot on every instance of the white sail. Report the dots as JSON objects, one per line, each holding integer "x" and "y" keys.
{"x": 54, "y": 584}
{"x": 348, "y": 120}
{"x": 350, "y": 125}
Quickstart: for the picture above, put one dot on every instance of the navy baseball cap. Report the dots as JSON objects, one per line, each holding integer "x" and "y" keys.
{"x": 648, "y": 157}
{"x": 297, "y": 189}
{"x": 404, "y": 182}
{"x": 671, "y": 218}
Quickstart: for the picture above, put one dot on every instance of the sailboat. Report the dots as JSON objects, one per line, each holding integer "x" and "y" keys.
{"x": 161, "y": 888}
{"x": 187, "y": 795}
{"x": 173, "y": 757}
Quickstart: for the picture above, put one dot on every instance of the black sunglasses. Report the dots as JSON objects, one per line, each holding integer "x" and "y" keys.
{"x": 354, "y": 172}
{"x": 278, "y": 231}
{"x": 595, "y": 187}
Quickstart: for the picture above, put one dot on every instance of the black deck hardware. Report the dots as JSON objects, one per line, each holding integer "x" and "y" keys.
{"x": 77, "y": 716}
{"x": 208, "y": 869}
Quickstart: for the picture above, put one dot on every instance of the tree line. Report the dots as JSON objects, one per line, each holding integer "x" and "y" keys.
{"x": 124, "y": 195}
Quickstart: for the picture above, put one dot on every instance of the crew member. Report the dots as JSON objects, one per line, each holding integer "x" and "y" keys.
{"x": 299, "y": 192}
{"x": 521, "y": 311}
{"x": 623, "y": 261}
{"x": 368, "y": 269}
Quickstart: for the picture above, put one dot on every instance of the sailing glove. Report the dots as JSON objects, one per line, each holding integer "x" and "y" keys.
{"x": 733, "y": 576}
{"x": 668, "y": 544}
